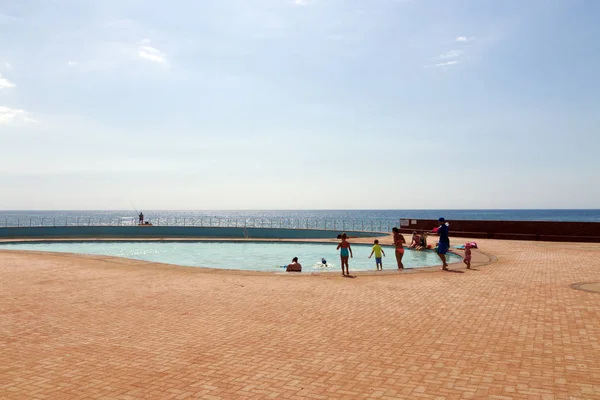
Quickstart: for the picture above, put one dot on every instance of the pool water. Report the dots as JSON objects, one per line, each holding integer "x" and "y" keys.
{"x": 254, "y": 256}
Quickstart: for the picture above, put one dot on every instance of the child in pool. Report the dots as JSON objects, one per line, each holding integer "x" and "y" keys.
{"x": 378, "y": 252}
{"x": 467, "y": 259}
{"x": 345, "y": 251}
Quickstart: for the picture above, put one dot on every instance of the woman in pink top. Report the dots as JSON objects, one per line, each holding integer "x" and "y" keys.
{"x": 399, "y": 242}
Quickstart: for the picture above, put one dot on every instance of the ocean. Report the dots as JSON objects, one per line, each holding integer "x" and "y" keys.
{"x": 345, "y": 219}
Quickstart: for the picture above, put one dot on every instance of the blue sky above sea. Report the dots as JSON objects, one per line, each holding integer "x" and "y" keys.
{"x": 299, "y": 104}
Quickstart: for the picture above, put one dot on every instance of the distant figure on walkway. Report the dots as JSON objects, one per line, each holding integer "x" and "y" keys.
{"x": 345, "y": 251}
{"x": 444, "y": 243}
{"x": 378, "y": 252}
{"x": 399, "y": 242}
{"x": 141, "y": 219}
{"x": 295, "y": 266}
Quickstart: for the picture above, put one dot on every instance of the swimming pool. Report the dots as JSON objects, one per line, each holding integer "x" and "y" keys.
{"x": 253, "y": 256}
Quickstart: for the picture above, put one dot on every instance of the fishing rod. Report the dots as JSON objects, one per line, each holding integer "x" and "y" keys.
{"x": 137, "y": 212}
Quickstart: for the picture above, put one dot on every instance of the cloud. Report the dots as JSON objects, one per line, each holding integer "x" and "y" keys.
{"x": 451, "y": 54}
{"x": 7, "y": 19}
{"x": 303, "y": 3}
{"x": 8, "y": 115}
{"x": 446, "y": 64}
{"x": 72, "y": 63}
{"x": 7, "y": 65}
{"x": 464, "y": 39}
{"x": 5, "y": 83}
{"x": 150, "y": 53}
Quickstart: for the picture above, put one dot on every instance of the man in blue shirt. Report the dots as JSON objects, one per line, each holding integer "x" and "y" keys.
{"x": 444, "y": 243}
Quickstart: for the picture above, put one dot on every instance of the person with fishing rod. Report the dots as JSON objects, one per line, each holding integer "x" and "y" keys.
{"x": 140, "y": 215}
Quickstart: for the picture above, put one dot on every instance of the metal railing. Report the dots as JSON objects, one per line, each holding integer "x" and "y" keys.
{"x": 361, "y": 225}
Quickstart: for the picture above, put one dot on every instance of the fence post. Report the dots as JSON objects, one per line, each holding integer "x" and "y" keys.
{"x": 363, "y": 225}
{"x": 30, "y": 221}
{"x": 77, "y": 222}
{"x": 42, "y": 221}
{"x": 18, "y": 222}
{"x": 66, "y": 221}
{"x": 89, "y": 221}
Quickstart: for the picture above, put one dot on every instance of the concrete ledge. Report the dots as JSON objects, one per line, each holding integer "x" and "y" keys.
{"x": 569, "y": 238}
{"x": 562, "y": 231}
{"x": 172, "y": 232}
{"x": 514, "y": 236}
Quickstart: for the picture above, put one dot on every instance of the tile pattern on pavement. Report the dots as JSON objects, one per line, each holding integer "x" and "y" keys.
{"x": 104, "y": 328}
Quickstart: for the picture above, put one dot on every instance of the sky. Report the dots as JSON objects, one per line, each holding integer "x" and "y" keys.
{"x": 299, "y": 104}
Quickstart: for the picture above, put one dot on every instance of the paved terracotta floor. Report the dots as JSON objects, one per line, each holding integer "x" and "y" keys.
{"x": 101, "y": 328}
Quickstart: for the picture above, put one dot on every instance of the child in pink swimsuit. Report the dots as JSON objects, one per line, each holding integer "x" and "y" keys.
{"x": 467, "y": 259}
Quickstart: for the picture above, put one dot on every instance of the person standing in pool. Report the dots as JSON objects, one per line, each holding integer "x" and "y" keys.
{"x": 444, "y": 242}
{"x": 345, "y": 251}
{"x": 399, "y": 245}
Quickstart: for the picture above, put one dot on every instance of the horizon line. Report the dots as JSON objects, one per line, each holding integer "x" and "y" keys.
{"x": 318, "y": 209}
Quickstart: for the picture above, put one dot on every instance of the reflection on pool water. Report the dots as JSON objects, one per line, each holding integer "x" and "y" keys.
{"x": 255, "y": 256}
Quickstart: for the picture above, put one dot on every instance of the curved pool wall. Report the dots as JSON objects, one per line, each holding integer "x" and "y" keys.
{"x": 141, "y": 232}
{"x": 248, "y": 255}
